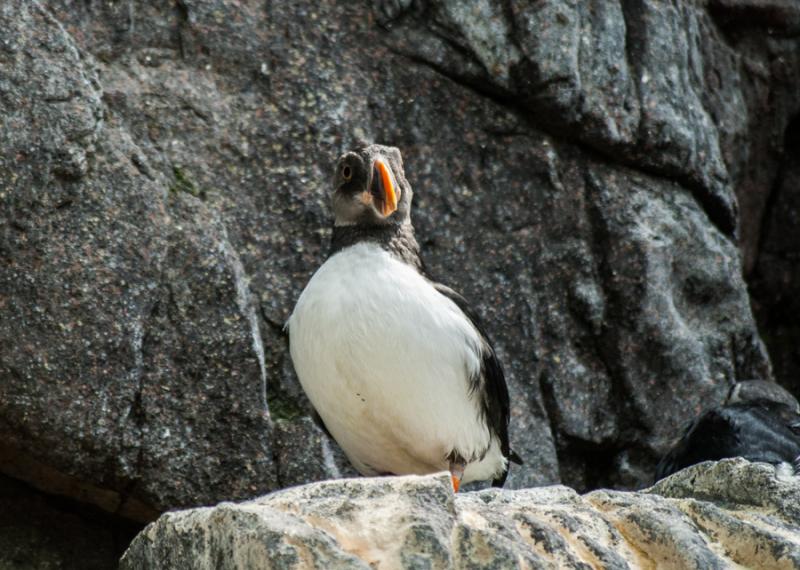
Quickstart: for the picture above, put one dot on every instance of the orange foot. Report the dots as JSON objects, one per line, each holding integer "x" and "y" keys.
{"x": 456, "y": 482}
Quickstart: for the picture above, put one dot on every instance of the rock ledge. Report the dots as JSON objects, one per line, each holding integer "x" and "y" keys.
{"x": 712, "y": 515}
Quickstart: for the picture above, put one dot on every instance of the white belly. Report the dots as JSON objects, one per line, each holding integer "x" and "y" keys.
{"x": 386, "y": 359}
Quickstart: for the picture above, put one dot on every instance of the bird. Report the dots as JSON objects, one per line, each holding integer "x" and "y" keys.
{"x": 759, "y": 421}
{"x": 396, "y": 365}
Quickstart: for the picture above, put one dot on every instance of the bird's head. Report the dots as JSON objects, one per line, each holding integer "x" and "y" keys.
{"x": 370, "y": 187}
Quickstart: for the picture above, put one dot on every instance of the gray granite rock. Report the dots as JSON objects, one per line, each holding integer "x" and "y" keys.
{"x": 713, "y": 515}
{"x": 164, "y": 172}
{"x": 131, "y": 349}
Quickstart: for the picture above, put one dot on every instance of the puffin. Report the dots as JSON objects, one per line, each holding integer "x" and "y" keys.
{"x": 759, "y": 421}
{"x": 396, "y": 365}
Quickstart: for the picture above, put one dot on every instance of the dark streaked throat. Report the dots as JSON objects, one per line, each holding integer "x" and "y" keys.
{"x": 397, "y": 239}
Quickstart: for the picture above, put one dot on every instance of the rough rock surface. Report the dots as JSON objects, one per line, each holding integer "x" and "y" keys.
{"x": 776, "y": 274}
{"x": 713, "y": 515}
{"x": 769, "y": 177}
{"x": 131, "y": 355}
{"x": 164, "y": 172}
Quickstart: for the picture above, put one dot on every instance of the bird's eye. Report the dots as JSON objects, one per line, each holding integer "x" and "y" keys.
{"x": 347, "y": 172}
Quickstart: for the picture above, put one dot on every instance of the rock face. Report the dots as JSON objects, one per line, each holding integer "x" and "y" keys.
{"x": 769, "y": 170}
{"x": 708, "y": 516}
{"x": 775, "y": 276}
{"x": 128, "y": 331}
{"x": 164, "y": 172}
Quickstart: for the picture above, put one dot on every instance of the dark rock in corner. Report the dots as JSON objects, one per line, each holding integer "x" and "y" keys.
{"x": 41, "y": 532}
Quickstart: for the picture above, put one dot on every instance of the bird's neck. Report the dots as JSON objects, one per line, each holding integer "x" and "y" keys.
{"x": 397, "y": 239}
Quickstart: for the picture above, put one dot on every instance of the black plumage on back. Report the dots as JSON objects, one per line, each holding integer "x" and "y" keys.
{"x": 490, "y": 384}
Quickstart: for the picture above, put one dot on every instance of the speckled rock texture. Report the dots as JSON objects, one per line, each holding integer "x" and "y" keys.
{"x": 164, "y": 182}
{"x": 713, "y": 515}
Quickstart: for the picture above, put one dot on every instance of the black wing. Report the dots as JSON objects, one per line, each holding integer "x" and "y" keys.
{"x": 491, "y": 383}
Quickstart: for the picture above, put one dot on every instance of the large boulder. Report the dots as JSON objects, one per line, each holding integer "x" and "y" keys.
{"x": 729, "y": 514}
{"x": 164, "y": 181}
{"x": 130, "y": 349}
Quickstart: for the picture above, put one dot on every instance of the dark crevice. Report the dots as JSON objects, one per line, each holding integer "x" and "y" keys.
{"x": 452, "y": 40}
{"x": 279, "y": 404}
{"x": 183, "y": 10}
{"x": 599, "y": 460}
{"x": 183, "y": 19}
{"x": 766, "y": 216}
{"x": 478, "y": 84}
{"x": 387, "y": 14}
{"x": 550, "y": 405}
{"x": 71, "y": 526}
{"x": 633, "y": 19}
{"x": 780, "y": 17}
{"x": 606, "y": 343}
{"x": 775, "y": 277}
{"x": 49, "y": 479}
{"x": 583, "y": 465}
{"x": 713, "y": 206}
{"x": 508, "y": 11}
{"x": 791, "y": 149}
{"x": 137, "y": 414}
{"x": 275, "y": 327}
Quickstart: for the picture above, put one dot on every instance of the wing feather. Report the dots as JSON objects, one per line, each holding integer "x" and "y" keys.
{"x": 490, "y": 383}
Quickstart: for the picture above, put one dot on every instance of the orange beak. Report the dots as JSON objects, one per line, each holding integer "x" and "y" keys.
{"x": 389, "y": 194}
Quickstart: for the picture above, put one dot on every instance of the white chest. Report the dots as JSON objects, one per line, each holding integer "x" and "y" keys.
{"x": 386, "y": 361}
